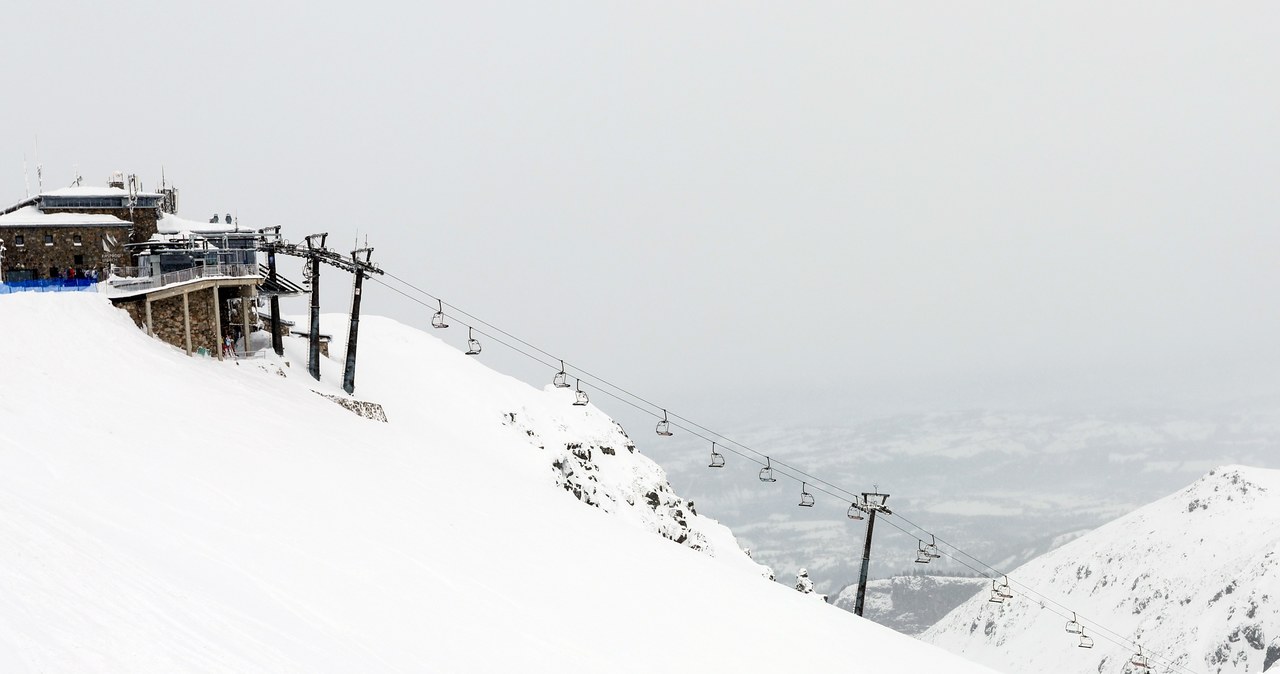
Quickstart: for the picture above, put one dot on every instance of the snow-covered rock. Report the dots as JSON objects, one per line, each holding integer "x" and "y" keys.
{"x": 1194, "y": 579}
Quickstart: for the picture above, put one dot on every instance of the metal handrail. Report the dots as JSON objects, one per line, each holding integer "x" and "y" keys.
{"x": 135, "y": 284}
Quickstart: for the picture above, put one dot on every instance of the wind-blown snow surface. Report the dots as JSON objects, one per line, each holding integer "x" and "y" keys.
{"x": 160, "y": 513}
{"x": 1193, "y": 577}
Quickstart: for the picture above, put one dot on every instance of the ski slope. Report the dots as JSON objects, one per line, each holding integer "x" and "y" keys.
{"x": 160, "y": 513}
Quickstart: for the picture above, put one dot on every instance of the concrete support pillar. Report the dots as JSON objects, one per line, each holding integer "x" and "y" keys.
{"x": 150, "y": 332}
{"x": 186, "y": 319}
{"x": 217, "y": 322}
{"x": 246, "y": 295}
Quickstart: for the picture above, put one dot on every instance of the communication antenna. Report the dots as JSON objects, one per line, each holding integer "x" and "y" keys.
{"x": 26, "y": 177}
{"x": 39, "y": 168}
{"x": 75, "y": 168}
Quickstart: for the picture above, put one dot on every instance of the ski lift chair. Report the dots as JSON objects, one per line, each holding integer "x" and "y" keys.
{"x": 473, "y": 344}
{"x": 922, "y": 557}
{"x": 1004, "y": 588}
{"x": 806, "y": 499}
{"x": 931, "y": 548}
{"x": 766, "y": 473}
{"x": 1086, "y": 641}
{"x": 561, "y": 380}
{"x": 437, "y": 321}
{"x": 580, "y": 397}
{"x": 664, "y": 427}
{"x": 1074, "y": 626}
{"x": 717, "y": 459}
{"x": 855, "y": 513}
{"x": 1140, "y": 661}
{"x": 997, "y": 597}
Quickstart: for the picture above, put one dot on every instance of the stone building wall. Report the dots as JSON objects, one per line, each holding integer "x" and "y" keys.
{"x": 167, "y": 319}
{"x": 98, "y": 248}
{"x": 143, "y": 219}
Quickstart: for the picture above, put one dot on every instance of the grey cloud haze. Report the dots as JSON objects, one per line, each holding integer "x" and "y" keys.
{"x": 736, "y": 208}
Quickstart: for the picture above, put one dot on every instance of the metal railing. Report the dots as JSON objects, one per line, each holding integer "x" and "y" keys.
{"x": 124, "y": 284}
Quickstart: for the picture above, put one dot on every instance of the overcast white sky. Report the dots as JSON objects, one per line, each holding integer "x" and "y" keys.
{"x": 734, "y": 208}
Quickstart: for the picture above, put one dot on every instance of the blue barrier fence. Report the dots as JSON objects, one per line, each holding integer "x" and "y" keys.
{"x": 53, "y": 285}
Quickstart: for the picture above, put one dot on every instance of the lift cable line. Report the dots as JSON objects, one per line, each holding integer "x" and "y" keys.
{"x": 770, "y": 467}
{"x": 600, "y": 382}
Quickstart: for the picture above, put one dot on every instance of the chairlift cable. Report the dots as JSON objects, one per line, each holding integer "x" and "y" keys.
{"x": 790, "y": 472}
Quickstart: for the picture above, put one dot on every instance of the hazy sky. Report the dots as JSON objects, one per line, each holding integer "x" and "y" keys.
{"x": 735, "y": 208}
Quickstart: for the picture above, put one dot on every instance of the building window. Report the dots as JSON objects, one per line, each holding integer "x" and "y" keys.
{"x": 19, "y": 240}
{"x": 75, "y": 239}
{"x": 78, "y": 260}
{"x": 48, "y": 239}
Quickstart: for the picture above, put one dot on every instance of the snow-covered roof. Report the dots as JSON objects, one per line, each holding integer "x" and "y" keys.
{"x": 91, "y": 191}
{"x": 171, "y": 225}
{"x": 32, "y": 216}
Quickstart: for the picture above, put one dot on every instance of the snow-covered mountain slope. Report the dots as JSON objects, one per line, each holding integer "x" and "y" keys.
{"x": 911, "y": 603}
{"x": 160, "y": 513}
{"x": 1193, "y": 578}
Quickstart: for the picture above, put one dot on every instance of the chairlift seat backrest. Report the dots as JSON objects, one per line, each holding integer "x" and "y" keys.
{"x": 922, "y": 556}
{"x": 717, "y": 459}
{"x": 806, "y": 499}
{"x": 997, "y": 597}
{"x": 664, "y": 427}
{"x": 766, "y": 473}
{"x": 854, "y": 513}
{"x": 561, "y": 380}
{"x": 437, "y": 321}
{"x": 1074, "y": 626}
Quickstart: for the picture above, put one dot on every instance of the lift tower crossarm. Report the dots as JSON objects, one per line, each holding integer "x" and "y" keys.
{"x": 315, "y": 253}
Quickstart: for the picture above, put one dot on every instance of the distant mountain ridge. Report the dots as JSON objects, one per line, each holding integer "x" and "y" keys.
{"x": 911, "y": 603}
{"x": 1193, "y": 578}
{"x": 1004, "y": 486}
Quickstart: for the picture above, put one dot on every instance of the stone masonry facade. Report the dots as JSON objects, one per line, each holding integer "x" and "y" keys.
{"x": 32, "y": 251}
{"x": 143, "y": 219}
{"x": 167, "y": 319}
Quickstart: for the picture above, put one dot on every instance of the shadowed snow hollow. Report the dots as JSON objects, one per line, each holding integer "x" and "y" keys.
{"x": 160, "y": 513}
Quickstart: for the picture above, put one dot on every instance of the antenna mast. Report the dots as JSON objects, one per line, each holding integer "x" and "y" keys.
{"x": 39, "y": 168}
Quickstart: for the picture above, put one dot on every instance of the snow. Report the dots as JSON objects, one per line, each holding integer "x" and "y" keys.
{"x": 1194, "y": 578}
{"x": 92, "y": 191}
{"x": 162, "y": 513}
{"x": 172, "y": 225}
{"x": 32, "y": 216}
